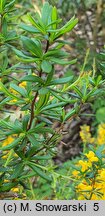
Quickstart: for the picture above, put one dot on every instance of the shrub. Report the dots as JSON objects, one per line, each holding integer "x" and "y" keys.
{"x": 28, "y": 141}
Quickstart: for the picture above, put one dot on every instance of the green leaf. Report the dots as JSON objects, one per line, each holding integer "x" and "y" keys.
{"x": 18, "y": 170}
{"x": 52, "y": 106}
{"x": 43, "y": 91}
{"x": 32, "y": 78}
{"x": 17, "y": 127}
{"x": 4, "y": 27}
{"x": 31, "y": 46}
{"x": 39, "y": 172}
{"x": 29, "y": 28}
{"x": 51, "y": 114}
{"x": 69, "y": 114}
{"x": 37, "y": 128}
{"x": 5, "y": 90}
{"x": 100, "y": 115}
{"x": 67, "y": 27}
{"x": 49, "y": 77}
{"x": 24, "y": 57}
{"x": 43, "y": 100}
{"x": 54, "y": 16}
{"x": 39, "y": 20}
{"x": 7, "y": 186}
{"x": 61, "y": 80}
{"x": 40, "y": 130}
{"x": 10, "y": 5}
{"x": 46, "y": 66}
{"x": 45, "y": 157}
{"x": 99, "y": 154}
{"x": 32, "y": 139}
{"x": 3, "y": 169}
{"x": 27, "y": 176}
{"x": 45, "y": 120}
{"x": 2, "y": 5}
{"x": 18, "y": 89}
{"x": 47, "y": 130}
{"x": 63, "y": 62}
{"x": 5, "y": 124}
{"x": 46, "y": 13}
{"x": 25, "y": 121}
{"x": 34, "y": 23}
{"x": 56, "y": 53}
{"x": 76, "y": 89}
{"x": 32, "y": 150}
{"x": 54, "y": 23}
{"x": 61, "y": 98}
{"x": 11, "y": 36}
{"x": 5, "y": 63}
{"x": 103, "y": 65}
{"x": 4, "y": 101}
{"x": 102, "y": 54}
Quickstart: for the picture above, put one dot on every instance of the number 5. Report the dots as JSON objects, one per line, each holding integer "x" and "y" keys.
{"x": 96, "y": 207}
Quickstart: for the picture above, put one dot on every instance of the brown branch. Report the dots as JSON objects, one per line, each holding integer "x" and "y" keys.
{"x": 4, "y": 195}
{"x": 36, "y": 94}
{"x": 32, "y": 111}
{"x": 47, "y": 46}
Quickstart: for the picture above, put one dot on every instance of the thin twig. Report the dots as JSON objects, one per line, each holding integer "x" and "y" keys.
{"x": 36, "y": 94}
{"x": 32, "y": 111}
{"x": 47, "y": 46}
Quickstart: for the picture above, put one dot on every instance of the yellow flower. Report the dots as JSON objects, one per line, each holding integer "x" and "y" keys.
{"x": 84, "y": 189}
{"x": 94, "y": 159}
{"x": 101, "y": 134}
{"x": 13, "y": 101}
{"x": 22, "y": 84}
{"x": 6, "y": 180}
{"x": 102, "y": 175}
{"x": 83, "y": 186}
{"x": 81, "y": 197}
{"x": 13, "y": 91}
{"x": 15, "y": 155}
{"x": 15, "y": 190}
{"x": 94, "y": 197}
{"x": 34, "y": 74}
{"x": 89, "y": 187}
{"x": 91, "y": 156}
{"x": 86, "y": 135}
{"x": 103, "y": 197}
{"x": 92, "y": 140}
{"x": 84, "y": 164}
{"x": 7, "y": 141}
{"x": 5, "y": 156}
{"x": 75, "y": 173}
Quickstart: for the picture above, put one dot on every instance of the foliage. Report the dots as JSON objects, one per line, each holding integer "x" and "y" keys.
{"x": 82, "y": 178}
{"x": 90, "y": 170}
{"x": 30, "y": 84}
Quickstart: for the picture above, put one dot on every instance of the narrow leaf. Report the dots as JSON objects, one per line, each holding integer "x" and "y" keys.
{"x": 61, "y": 80}
{"x": 39, "y": 172}
{"x": 32, "y": 78}
{"x": 63, "y": 62}
{"x": 46, "y": 66}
